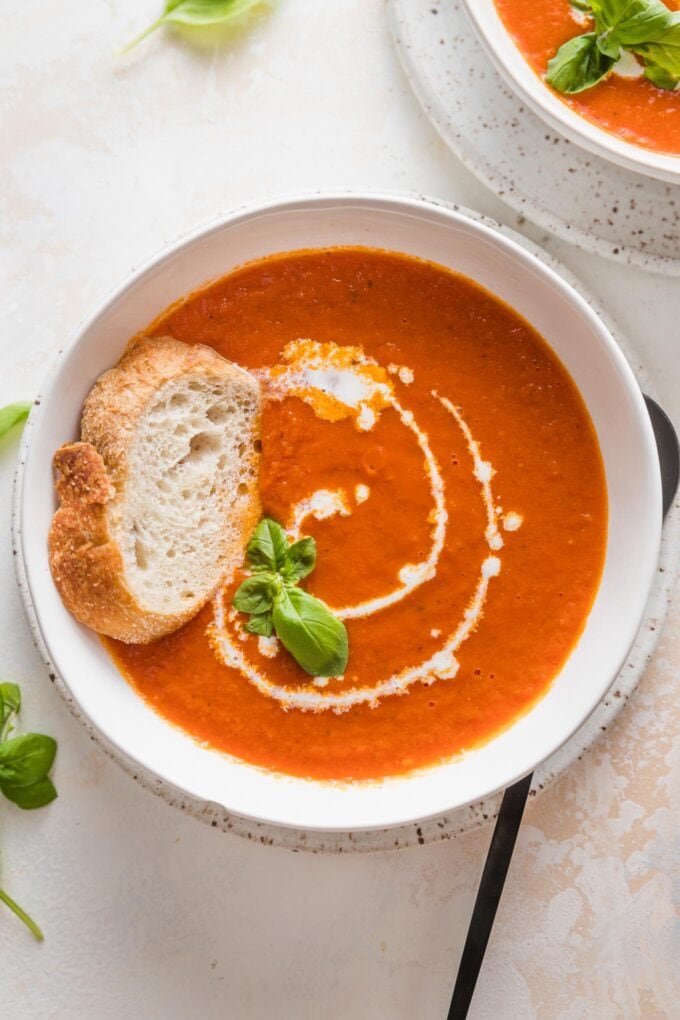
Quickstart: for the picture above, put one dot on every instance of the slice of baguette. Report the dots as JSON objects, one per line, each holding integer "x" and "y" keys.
{"x": 159, "y": 499}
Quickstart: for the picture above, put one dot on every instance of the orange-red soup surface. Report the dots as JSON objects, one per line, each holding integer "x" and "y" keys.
{"x": 631, "y": 108}
{"x": 523, "y": 494}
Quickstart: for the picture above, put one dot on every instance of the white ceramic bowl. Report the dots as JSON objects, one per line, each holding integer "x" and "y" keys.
{"x": 513, "y": 66}
{"x": 604, "y": 378}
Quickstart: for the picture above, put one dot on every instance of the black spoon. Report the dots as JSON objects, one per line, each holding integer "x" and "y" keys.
{"x": 515, "y": 797}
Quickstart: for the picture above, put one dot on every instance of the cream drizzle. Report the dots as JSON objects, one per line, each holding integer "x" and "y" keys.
{"x": 321, "y": 505}
{"x": 333, "y": 395}
{"x": 442, "y": 665}
{"x": 483, "y": 472}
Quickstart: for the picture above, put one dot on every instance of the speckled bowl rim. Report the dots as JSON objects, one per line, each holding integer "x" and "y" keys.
{"x": 485, "y": 172}
{"x": 440, "y": 827}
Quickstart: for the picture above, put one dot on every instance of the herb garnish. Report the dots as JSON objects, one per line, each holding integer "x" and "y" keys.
{"x": 303, "y": 624}
{"x": 197, "y": 13}
{"x": 646, "y": 28}
{"x": 12, "y": 415}
{"x": 24, "y": 763}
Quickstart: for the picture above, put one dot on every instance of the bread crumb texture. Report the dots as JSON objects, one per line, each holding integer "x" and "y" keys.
{"x": 159, "y": 498}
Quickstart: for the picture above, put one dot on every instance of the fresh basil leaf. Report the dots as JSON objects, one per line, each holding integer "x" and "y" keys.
{"x": 261, "y": 623}
{"x": 663, "y": 54}
{"x": 12, "y": 414}
{"x": 207, "y": 12}
{"x": 24, "y": 764}
{"x": 255, "y": 595}
{"x": 11, "y": 696}
{"x": 661, "y": 78}
{"x": 578, "y": 65}
{"x": 198, "y": 13}
{"x": 310, "y": 632}
{"x": 628, "y": 23}
{"x": 300, "y": 560}
{"x": 268, "y": 548}
{"x": 10, "y": 703}
{"x": 30, "y": 797}
{"x": 26, "y": 759}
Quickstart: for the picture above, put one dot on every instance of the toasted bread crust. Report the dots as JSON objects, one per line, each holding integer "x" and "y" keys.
{"x": 86, "y": 563}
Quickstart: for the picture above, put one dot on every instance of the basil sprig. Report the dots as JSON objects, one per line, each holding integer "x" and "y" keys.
{"x": 13, "y": 414}
{"x": 24, "y": 765}
{"x": 644, "y": 27}
{"x": 198, "y": 13}
{"x": 303, "y": 624}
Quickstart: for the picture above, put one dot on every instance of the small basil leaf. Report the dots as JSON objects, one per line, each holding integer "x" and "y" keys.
{"x": 255, "y": 594}
{"x": 663, "y": 54}
{"x": 12, "y": 414}
{"x": 608, "y": 44}
{"x": 268, "y": 547}
{"x": 629, "y": 22}
{"x": 207, "y": 12}
{"x": 200, "y": 13}
{"x": 661, "y": 78}
{"x": 261, "y": 623}
{"x": 310, "y": 632}
{"x": 10, "y": 703}
{"x": 578, "y": 65}
{"x": 300, "y": 559}
{"x": 30, "y": 797}
{"x": 26, "y": 759}
{"x": 11, "y": 697}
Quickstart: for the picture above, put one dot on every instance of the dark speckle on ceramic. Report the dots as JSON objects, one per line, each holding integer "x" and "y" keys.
{"x": 561, "y": 187}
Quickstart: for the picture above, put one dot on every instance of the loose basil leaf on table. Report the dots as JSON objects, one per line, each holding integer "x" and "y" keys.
{"x": 206, "y": 12}
{"x": 10, "y": 697}
{"x": 310, "y": 632}
{"x": 29, "y": 798}
{"x": 13, "y": 414}
{"x": 578, "y": 64}
{"x": 26, "y": 759}
{"x": 24, "y": 763}
{"x": 198, "y": 13}
{"x": 10, "y": 703}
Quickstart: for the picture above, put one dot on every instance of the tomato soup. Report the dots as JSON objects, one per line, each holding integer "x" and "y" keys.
{"x": 630, "y": 107}
{"x": 443, "y": 460}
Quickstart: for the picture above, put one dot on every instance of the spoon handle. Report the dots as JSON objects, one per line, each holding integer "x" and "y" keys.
{"x": 488, "y": 895}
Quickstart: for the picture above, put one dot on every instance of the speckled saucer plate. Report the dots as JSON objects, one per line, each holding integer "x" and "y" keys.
{"x": 444, "y": 826}
{"x": 577, "y": 196}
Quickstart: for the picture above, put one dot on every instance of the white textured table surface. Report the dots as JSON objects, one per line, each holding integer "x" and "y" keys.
{"x": 148, "y": 913}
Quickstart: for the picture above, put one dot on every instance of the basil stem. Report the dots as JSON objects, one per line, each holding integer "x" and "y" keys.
{"x": 22, "y": 915}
